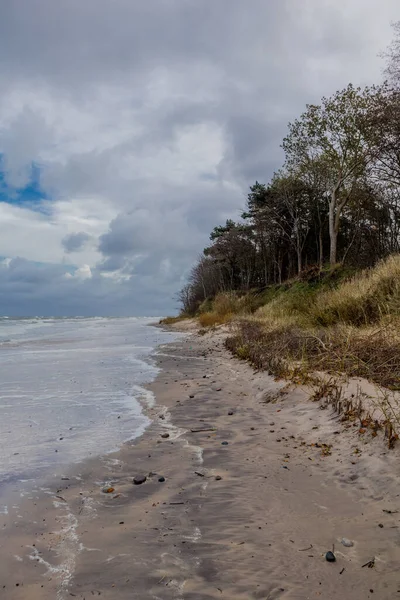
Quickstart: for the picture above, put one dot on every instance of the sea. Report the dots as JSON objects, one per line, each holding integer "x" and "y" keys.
{"x": 71, "y": 388}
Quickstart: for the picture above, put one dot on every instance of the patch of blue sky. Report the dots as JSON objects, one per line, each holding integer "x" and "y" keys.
{"x": 30, "y": 196}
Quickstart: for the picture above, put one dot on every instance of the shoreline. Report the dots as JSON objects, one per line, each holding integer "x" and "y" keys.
{"x": 231, "y": 520}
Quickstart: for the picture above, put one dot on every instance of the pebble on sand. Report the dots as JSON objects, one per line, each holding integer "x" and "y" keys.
{"x": 347, "y": 543}
{"x": 165, "y": 435}
{"x": 139, "y": 479}
{"x": 108, "y": 490}
{"x": 224, "y": 443}
{"x": 330, "y": 557}
{"x": 230, "y": 413}
{"x": 161, "y": 479}
{"x": 218, "y": 478}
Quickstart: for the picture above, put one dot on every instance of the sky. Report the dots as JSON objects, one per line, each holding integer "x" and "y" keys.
{"x": 129, "y": 129}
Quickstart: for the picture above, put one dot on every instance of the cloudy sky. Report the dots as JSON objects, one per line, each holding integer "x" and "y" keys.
{"x": 128, "y": 129}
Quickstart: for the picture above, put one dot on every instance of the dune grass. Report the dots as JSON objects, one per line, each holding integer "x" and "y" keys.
{"x": 173, "y": 320}
{"x": 352, "y": 327}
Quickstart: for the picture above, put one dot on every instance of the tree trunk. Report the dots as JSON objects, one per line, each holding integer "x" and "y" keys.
{"x": 321, "y": 249}
{"x": 333, "y": 228}
{"x": 299, "y": 262}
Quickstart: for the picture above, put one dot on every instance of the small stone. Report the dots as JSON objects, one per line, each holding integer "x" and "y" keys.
{"x": 218, "y": 478}
{"x": 108, "y": 490}
{"x": 380, "y": 525}
{"x": 121, "y": 522}
{"x": 165, "y": 435}
{"x": 230, "y": 413}
{"x": 252, "y": 428}
{"x": 224, "y": 443}
{"x": 347, "y": 543}
{"x": 139, "y": 479}
{"x": 161, "y": 479}
{"x": 191, "y": 396}
{"x": 330, "y": 557}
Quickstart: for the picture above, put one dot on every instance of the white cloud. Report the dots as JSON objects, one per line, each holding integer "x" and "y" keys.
{"x": 82, "y": 273}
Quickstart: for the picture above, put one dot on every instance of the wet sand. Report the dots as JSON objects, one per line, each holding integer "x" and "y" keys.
{"x": 248, "y": 508}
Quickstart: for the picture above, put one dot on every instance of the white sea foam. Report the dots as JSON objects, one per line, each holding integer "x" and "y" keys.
{"x": 66, "y": 551}
{"x": 72, "y": 388}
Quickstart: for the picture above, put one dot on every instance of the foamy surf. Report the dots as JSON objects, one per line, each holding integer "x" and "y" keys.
{"x": 72, "y": 389}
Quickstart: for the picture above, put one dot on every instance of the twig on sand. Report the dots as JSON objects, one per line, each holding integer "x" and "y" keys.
{"x": 305, "y": 549}
{"x": 175, "y": 503}
{"x": 342, "y": 571}
{"x": 370, "y": 564}
{"x": 200, "y": 430}
{"x": 199, "y": 474}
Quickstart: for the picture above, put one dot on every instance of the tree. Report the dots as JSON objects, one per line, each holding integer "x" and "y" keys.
{"x": 234, "y": 251}
{"x": 294, "y": 200}
{"x": 385, "y": 118}
{"x": 392, "y": 56}
{"x": 339, "y": 133}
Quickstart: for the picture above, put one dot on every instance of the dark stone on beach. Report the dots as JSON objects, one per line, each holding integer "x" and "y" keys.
{"x": 165, "y": 435}
{"x": 139, "y": 479}
{"x": 122, "y": 523}
{"x": 218, "y": 478}
{"x": 252, "y": 428}
{"x": 330, "y": 557}
{"x": 230, "y": 413}
{"x": 224, "y": 443}
{"x": 380, "y": 525}
{"x": 191, "y": 396}
{"x": 161, "y": 479}
{"x": 108, "y": 490}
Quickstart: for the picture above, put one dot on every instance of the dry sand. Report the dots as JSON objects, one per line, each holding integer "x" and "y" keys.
{"x": 250, "y": 519}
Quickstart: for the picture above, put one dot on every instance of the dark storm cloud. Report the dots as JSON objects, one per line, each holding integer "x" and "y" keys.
{"x": 75, "y": 241}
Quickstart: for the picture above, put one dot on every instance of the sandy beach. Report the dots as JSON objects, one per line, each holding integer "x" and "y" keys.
{"x": 240, "y": 500}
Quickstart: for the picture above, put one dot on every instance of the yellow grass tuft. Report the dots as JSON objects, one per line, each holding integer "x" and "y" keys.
{"x": 363, "y": 300}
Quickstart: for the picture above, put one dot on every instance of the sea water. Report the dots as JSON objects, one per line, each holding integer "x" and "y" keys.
{"x": 71, "y": 388}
